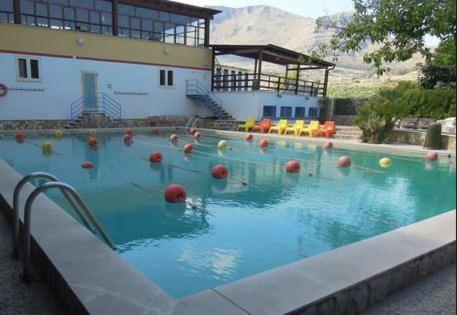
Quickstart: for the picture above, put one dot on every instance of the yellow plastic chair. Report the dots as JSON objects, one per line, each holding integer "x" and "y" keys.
{"x": 298, "y": 125}
{"x": 281, "y": 127}
{"x": 311, "y": 130}
{"x": 248, "y": 125}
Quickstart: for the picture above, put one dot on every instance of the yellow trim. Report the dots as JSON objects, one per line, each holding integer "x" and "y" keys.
{"x": 44, "y": 41}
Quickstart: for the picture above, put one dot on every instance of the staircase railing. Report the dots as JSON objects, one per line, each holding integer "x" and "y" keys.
{"x": 194, "y": 87}
{"x": 101, "y": 103}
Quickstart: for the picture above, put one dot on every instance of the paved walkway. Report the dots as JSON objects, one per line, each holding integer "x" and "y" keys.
{"x": 433, "y": 295}
{"x": 16, "y": 297}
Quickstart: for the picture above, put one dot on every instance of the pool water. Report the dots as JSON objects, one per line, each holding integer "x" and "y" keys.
{"x": 228, "y": 230}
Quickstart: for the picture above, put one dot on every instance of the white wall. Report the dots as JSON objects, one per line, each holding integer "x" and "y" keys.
{"x": 61, "y": 81}
{"x": 244, "y": 104}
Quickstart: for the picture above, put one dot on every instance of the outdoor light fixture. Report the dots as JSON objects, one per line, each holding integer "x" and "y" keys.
{"x": 80, "y": 40}
{"x": 166, "y": 50}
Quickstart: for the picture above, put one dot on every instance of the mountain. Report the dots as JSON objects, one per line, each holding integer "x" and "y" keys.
{"x": 264, "y": 24}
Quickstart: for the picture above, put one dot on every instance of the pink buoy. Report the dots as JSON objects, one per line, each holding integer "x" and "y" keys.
{"x": 175, "y": 193}
{"x": 193, "y": 131}
{"x": 264, "y": 143}
{"x": 292, "y": 167}
{"x": 328, "y": 145}
{"x": 432, "y": 156}
{"x": 219, "y": 172}
{"x": 249, "y": 137}
{"x": 156, "y": 157}
{"x": 130, "y": 132}
{"x": 174, "y": 138}
{"x": 20, "y": 137}
{"x": 188, "y": 148}
{"x": 197, "y": 135}
{"x": 344, "y": 161}
{"x": 93, "y": 142}
{"x": 87, "y": 165}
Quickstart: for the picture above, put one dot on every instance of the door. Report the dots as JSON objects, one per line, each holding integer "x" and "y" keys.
{"x": 89, "y": 88}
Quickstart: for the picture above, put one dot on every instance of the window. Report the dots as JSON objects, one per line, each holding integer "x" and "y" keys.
{"x": 313, "y": 111}
{"x": 28, "y": 69}
{"x": 269, "y": 111}
{"x": 300, "y": 112}
{"x": 286, "y": 111}
{"x": 166, "y": 77}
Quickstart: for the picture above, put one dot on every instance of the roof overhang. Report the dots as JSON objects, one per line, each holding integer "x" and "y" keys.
{"x": 174, "y": 7}
{"x": 273, "y": 54}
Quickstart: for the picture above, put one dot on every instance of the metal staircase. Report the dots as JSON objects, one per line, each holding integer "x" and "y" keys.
{"x": 197, "y": 91}
{"x": 92, "y": 108}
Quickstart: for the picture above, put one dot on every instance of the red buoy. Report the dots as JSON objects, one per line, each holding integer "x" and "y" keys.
{"x": 175, "y": 193}
{"x": 93, "y": 142}
{"x": 328, "y": 145}
{"x": 188, "y": 148}
{"x": 174, "y": 138}
{"x": 197, "y": 135}
{"x": 219, "y": 172}
{"x": 193, "y": 131}
{"x": 344, "y": 161}
{"x": 264, "y": 143}
{"x": 130, "y": 132}
{"x": 249, "y": 137}
{"x": 128, "y": 139}
{"x": 292, "y": 167}
{"x": 156, "y": 157}
{"x": 87, "y": 165}
{"x": 432, "y": 156}
{"x": 20, "y": 137}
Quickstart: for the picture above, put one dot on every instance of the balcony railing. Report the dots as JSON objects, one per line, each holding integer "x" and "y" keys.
{"x": 269, "y": 82}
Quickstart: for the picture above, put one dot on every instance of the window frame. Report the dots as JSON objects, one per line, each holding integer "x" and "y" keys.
{"x": 28, "y": 66}
{"x": 166, "y": 78}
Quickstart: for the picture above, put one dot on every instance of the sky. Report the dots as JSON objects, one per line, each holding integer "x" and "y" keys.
{"x": 308, "y": 8}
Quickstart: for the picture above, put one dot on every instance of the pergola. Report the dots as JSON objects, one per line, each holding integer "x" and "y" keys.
{"x": 292, "y": 60}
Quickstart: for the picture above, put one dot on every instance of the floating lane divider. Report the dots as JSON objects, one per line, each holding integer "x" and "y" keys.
{"x": 39, "y": 146}
{"x": 366, "y": 169}
{"x": 230, "y": 158}
{"x": 204, "y": 173}
{"x": 150, "y": 189}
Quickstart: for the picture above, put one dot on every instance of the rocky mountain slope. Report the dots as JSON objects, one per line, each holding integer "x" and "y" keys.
{"x": 268, "y": 25}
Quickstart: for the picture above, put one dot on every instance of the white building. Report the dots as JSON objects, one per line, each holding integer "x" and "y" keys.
{"x": 129, "y": 59}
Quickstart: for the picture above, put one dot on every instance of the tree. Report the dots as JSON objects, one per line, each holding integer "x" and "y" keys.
{"x": 397, "y": 28}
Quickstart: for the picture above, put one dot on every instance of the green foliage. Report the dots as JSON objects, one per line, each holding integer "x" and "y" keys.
{"x": 441, "y": 68}
{"x": 407, "y": 99}
{"x": 398, "y": 27}
{"x": 377, "y": 117}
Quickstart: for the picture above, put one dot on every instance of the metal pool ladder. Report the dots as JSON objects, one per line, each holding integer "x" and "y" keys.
{"x": 68, "y": 192}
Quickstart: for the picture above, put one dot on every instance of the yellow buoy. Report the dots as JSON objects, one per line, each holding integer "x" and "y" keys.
{"x": 91, "y": 133}
{"x": 385, "y": 162}
{"x": 47, "y": 147}
{"x": 223, "y": 144}
{"x": 58, "y": 134}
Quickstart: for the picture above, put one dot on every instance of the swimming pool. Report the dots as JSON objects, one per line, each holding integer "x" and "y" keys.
{"x": 235, "y": 230}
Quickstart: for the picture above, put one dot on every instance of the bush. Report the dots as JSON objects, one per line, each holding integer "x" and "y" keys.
{"x": 377, "y": 118}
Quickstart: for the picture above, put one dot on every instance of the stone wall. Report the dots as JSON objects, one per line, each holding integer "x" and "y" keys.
{"x": 344, "y": 120}
{"x": 32, "y": 124}
{"x": 408, "y": 136}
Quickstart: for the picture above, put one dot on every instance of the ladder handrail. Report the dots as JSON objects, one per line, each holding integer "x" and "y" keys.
{"x": 27, "y": 216}
{"x": 16, "y": 193}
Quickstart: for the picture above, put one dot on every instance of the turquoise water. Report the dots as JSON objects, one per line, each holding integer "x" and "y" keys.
{"x": 276, "y": 219}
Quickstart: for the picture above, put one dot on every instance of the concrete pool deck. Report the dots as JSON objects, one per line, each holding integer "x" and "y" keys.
{"x": 350, "y": 278}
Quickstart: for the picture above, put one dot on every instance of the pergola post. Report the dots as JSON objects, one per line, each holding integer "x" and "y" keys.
{"x": 17, "y": 11}
{"x": 213, "y": 57}
{"x": 325, "y": 82}
{"x": 296, "y": 79}
{"x": 259, "y": 70}
{"x": 115, "y": 21}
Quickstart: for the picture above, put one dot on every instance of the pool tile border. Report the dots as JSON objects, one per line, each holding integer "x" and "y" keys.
{"x": 348, "y": 279}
